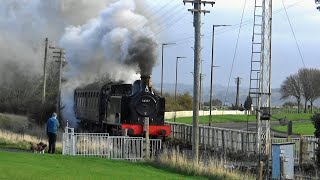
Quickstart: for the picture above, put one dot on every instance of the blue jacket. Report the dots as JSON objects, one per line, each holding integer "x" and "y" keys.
{"x": 52, "y": 125}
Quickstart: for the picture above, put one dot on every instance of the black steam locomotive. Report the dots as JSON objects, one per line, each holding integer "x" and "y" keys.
{"x": 113, "y": 107}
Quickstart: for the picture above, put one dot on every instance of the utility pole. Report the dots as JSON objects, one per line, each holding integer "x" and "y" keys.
{"x": 44, "y": 72}
{"x": 238, "y": 85}
{"x": 60, "y": 56}
{"x": 164, "y": 44}
{"x": 196, "y": 89}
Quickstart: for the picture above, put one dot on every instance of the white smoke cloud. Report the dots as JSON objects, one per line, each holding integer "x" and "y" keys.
{"x": 116, "y": 42}
{"x": 99, "y": 37}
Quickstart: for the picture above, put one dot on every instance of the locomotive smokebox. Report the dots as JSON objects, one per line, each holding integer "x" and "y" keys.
{"x": 146, "y": 83}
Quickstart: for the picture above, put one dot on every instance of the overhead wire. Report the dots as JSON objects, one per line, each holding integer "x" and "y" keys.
{"x": 236, "y": 26}
{"x": 235, "y": 52}
{"x": 298, "y": 47}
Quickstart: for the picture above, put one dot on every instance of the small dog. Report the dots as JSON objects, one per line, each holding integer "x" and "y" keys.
{"x": 38, "y": 148}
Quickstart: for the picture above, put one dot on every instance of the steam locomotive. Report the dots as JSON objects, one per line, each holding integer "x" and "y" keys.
{"x": 113, "y": 107}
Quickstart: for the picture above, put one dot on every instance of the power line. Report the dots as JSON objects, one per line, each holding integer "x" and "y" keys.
{"x": 235, "y": 51}
{"x": 236, "y": 26}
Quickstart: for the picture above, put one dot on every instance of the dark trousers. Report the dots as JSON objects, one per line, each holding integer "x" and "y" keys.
{"x": 52, "y": 142}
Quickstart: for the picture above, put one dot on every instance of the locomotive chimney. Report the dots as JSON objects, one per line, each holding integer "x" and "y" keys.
{"x": 146, "y": 82}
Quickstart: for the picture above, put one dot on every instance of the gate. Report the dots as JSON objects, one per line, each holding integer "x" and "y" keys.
{"x": 111, "y": 147}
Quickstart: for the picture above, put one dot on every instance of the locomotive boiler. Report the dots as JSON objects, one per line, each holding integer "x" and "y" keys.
{"x": 113, "y": 107}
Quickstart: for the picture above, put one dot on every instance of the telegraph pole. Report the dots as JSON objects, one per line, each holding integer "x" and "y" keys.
{"x": 44, "y": 72}
{"x": 60, "y": 61}
{"x": 237, "y": 97}
{"x": 196, "y": 88}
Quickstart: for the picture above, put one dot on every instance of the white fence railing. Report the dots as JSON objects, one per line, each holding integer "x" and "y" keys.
{"x": 216, "y": 137}
{"x": 235, "y": 140}
{"x": 103, "y": 145}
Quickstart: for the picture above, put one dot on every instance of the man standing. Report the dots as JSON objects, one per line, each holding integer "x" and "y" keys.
{"x": 52, "y": 127}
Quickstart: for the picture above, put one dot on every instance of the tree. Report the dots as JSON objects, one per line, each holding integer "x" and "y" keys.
{"x": 309, "y": 83}
{"x": 215, "y": 102}
{"x": 248, "y": 103}
{"x": 314, "y": 75}
{"x": 292, "y": 87}
{"x": 289, "y": 104}
{"x": 183, "y": 103}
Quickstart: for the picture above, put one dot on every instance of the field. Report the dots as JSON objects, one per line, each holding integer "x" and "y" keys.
{"x": 241, "y": 118}
{"x": 46, "y": 166}
{"x": 24, "y": 165}
{"x": 305, "y": 128}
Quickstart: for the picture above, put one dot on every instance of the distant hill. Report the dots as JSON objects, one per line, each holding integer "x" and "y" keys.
{"x": 220, "y": 93}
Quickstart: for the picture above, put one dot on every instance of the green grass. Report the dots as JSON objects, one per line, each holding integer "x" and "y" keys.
{"x": 240, "y": 118}
{"x": 305, "y": 128}
{"x": 48, "y": 166}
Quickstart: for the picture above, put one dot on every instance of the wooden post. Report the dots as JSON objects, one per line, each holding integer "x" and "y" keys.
{"x": 289, "y": 131}
{"x": 301, "y": 150}
{"x": 209, "y": 130}
{"x": 124, "y": 132}
{"x": 146, "y": 126}
{"x": 222, "y": 140}
{"x": 261, "y": 170}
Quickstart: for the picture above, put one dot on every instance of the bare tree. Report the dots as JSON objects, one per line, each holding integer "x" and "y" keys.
{"x": 314, "y": 75}
{"x": 310, "y": 85}
{"x": 292, "y": 87}
{"x": 307, "y": 90}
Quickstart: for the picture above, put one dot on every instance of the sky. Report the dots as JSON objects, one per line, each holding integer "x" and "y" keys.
{"x": 109, "y": 37}
{"x": 176, "y": 26}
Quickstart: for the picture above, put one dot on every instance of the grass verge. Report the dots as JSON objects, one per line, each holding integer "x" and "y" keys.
{"x": 305, "y": 128}
{"x": 241, "y": 118}
{"x": 10, "y": 139}
{"x": 48, "y": 166}
{"x": 212, "y": 168}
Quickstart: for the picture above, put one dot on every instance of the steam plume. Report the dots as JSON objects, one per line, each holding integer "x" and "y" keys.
{"x": 100, "y": 37}
{"x": 116, "y": 42}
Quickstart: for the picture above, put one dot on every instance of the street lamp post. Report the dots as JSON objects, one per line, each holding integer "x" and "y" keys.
{"x": 175, "y": 89}
{"x": 212, "y": 66}
{"x": 164, "y": 44}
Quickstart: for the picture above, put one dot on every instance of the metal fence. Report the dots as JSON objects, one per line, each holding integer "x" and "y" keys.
{"x": 103, "y": 145}
{"x": 213, "y": 137}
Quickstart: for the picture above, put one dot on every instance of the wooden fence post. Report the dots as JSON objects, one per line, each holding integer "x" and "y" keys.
{"x": 260, "y": 170}
{"x": 222, "y": 140}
